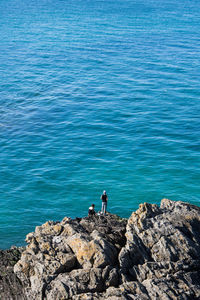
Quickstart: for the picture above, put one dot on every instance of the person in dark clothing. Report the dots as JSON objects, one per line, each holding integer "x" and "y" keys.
{"x": 91, "y": 211}
{"x": 104, "y": 199}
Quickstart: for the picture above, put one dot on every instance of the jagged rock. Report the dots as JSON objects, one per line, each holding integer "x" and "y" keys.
{"x": 81, "y": 281}
{"x": 157, "y": 234}
{"x": 43, "y": 259}
{"x": 161, "y": 243}
{"x": 54, "y": 249}
{"x": 155, "y": 254}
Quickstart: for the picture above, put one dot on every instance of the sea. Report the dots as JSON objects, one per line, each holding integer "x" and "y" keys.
{"x": 96, "y": 95}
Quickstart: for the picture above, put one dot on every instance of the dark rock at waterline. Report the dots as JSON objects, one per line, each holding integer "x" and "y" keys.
{"x": 155, "y": 254}
{"x": 10, "y": 285}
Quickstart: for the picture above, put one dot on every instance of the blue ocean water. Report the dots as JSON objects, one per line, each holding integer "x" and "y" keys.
{"x": 95, "y": 95}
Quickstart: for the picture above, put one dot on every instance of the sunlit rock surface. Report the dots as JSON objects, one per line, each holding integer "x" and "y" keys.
{"x": 155, "y": 254}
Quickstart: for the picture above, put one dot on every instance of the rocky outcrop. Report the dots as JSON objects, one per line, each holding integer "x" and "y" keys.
{"x": 162, "y": 251}
{"x": 72, "y": 257}
{"x": 155, "y": 254}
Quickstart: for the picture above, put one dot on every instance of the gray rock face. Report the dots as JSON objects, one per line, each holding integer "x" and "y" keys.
{"x": 155, "y": 254}
{"x": 162, "y": 251}
{"x": 71, "y": 257}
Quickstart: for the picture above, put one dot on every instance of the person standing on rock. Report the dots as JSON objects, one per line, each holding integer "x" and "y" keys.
{"x": 104, "y": 199}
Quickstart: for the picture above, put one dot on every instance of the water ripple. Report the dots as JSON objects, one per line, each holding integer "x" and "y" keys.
{"x": 96, "y": 95}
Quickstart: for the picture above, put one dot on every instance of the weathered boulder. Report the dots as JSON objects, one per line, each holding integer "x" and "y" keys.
{"x": 92, "y": 251}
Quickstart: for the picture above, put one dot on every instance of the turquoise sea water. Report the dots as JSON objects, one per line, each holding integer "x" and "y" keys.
{"x": 96, "y": 95}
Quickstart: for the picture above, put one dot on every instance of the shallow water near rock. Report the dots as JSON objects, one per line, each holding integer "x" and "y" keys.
{"x": 96, "y": 95}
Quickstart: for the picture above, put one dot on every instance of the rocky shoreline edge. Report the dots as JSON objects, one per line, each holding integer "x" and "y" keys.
{"x": 155, "y": 254}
